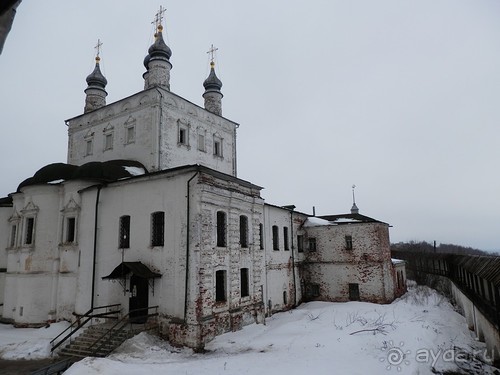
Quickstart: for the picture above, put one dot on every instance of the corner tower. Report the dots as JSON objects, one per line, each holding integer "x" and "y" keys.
{"x": 96, "y": 84}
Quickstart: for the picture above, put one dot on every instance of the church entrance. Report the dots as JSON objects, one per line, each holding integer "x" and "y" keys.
{"x": 139, "y": 298}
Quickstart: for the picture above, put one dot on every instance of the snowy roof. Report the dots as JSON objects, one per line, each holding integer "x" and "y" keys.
{"x": 350, "y": 219}
{"x": 106, "y": 171}
{"x": 316, "y": 222}
{"x": 397, "y": 261}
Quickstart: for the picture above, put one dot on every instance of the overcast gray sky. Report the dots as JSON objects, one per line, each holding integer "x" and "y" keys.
{"x": 398, "y": 97}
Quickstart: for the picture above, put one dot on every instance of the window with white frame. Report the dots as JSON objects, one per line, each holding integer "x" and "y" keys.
{"x": 130, "y": 134}
{"x": 70, "y": 230}
{"x": 108, "y": 137}
{"x": 108, "y": 141}
{"x": 29, "y": 230}
{"x": 89, "y": 145}
{"x": 13, "y": 235}
{"x": 70, "y": 214}
{"x": 201, "y": 142}
{"x": 129, "y": 131}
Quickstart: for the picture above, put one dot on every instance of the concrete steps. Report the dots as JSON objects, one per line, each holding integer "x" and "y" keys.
{"x": 81, "y": 346}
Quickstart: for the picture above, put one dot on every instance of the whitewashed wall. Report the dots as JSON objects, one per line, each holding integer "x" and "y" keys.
{"x": 156, "y": 148}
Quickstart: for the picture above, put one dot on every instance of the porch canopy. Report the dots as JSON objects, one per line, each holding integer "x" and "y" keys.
{"x": 137, "y": 268}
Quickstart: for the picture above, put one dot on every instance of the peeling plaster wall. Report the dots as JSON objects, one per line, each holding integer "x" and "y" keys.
{"x": 368, "y": 263}
{"x": 207, "y": 317}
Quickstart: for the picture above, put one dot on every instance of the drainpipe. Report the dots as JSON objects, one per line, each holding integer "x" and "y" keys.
{"x": 95, "y": 244}
{"x": 293, "y": 258}
{"x": 187, "y": 246}
{"x": 159, "y": 130}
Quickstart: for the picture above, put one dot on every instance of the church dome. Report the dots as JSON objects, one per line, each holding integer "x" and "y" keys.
{"x": 146, "y": 60}
{"x": 96, "y": 78}
{"x": 212, "y": 83}
{"x": 159, "y": 48}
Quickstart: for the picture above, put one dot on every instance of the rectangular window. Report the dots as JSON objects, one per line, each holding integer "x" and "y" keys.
{"x": 88, "y": 147}
{"x": 182, "y": 136}
{"x": 70, "y": 229}
{"x": 124, "y": 240}
{"x": 108, "y": 141}
{"x": 285, "y": 238}
{"x": 300, "y": 243}
{"x": 312, "y": 244}
{"x": 201, "y": 142}
{"x": 276, "y": 238}
{"x": 217, "y": 148}
{"x": 221, "y": 229}
{"x": 157, "y": 228}
{"x": 243, "y": 231}
{"x": 130, "y": 135}
{"x": 348, "y": 242}
{"x": 312, "y": 290}
{"x": 261, "y": 236}
{"x": 244, "y": 282}
{"x": 354, "y": 292}
{"x": 220, "y": 286}
{"x": 30, "y": 227}
{"x": 13, "y": 234}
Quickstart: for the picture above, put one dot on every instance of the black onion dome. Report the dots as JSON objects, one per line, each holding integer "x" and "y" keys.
{"x": 146, "y": 60}
{"x": 96, "y": 78}
{"x": 159, "y": 48}
{"x": 107, "y": 171}
{"x": 212, "y": 83}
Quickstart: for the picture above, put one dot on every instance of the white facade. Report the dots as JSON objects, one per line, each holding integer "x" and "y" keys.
{"x": 183, "y": 233}
{"x": 157, "y": 128}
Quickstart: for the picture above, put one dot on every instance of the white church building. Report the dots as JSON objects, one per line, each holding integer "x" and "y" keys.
{"x": 149, "y": 211}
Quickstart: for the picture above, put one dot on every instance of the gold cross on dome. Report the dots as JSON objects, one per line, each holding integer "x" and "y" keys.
{"x": 98, "y": 47}
{"x": 211, "y": 51}
{"x": 159, "y": 17}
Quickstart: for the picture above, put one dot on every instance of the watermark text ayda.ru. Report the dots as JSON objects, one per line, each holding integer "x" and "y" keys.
{"x": 397, "y": 357}
{"x": 456, "y": 355}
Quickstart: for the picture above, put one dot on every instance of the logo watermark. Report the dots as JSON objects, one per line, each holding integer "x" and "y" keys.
{"x": 396, "y": 357}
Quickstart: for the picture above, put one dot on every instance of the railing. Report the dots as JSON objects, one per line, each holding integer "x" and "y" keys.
{"x": 54, "y": 368}
{"x": 82, "y": 320}
{"x": 120, "y": 326}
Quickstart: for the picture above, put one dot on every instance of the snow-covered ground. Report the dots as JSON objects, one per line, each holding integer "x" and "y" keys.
{"x": 414, "y": 334}
{"x": 27, "y": 343}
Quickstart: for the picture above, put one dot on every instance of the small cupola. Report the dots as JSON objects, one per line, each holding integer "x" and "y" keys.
{"x": 96, "y": 84}
{"x": 212, "y": 95}
{"x": 354, "y": 208}
{"x": 157, "y": 61}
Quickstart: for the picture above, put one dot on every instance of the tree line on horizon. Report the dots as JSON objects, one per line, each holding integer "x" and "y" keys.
{"x": 426, "y": 247}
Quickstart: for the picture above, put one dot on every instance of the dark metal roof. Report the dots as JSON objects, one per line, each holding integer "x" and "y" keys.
{"x": 351, "y": 219}
{"x": 137, "y": 268}
{"x": 487, "y": 267}
{"x": 6, "y": 202}
{"x": 106, "y": 171}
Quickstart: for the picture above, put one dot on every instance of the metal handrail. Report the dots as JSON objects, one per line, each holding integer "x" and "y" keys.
{"x": 88, "y": 316}
{"x": 125, "y": 320}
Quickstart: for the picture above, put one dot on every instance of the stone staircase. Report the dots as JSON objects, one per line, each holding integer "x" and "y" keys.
{"x": 85, "y": 344}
